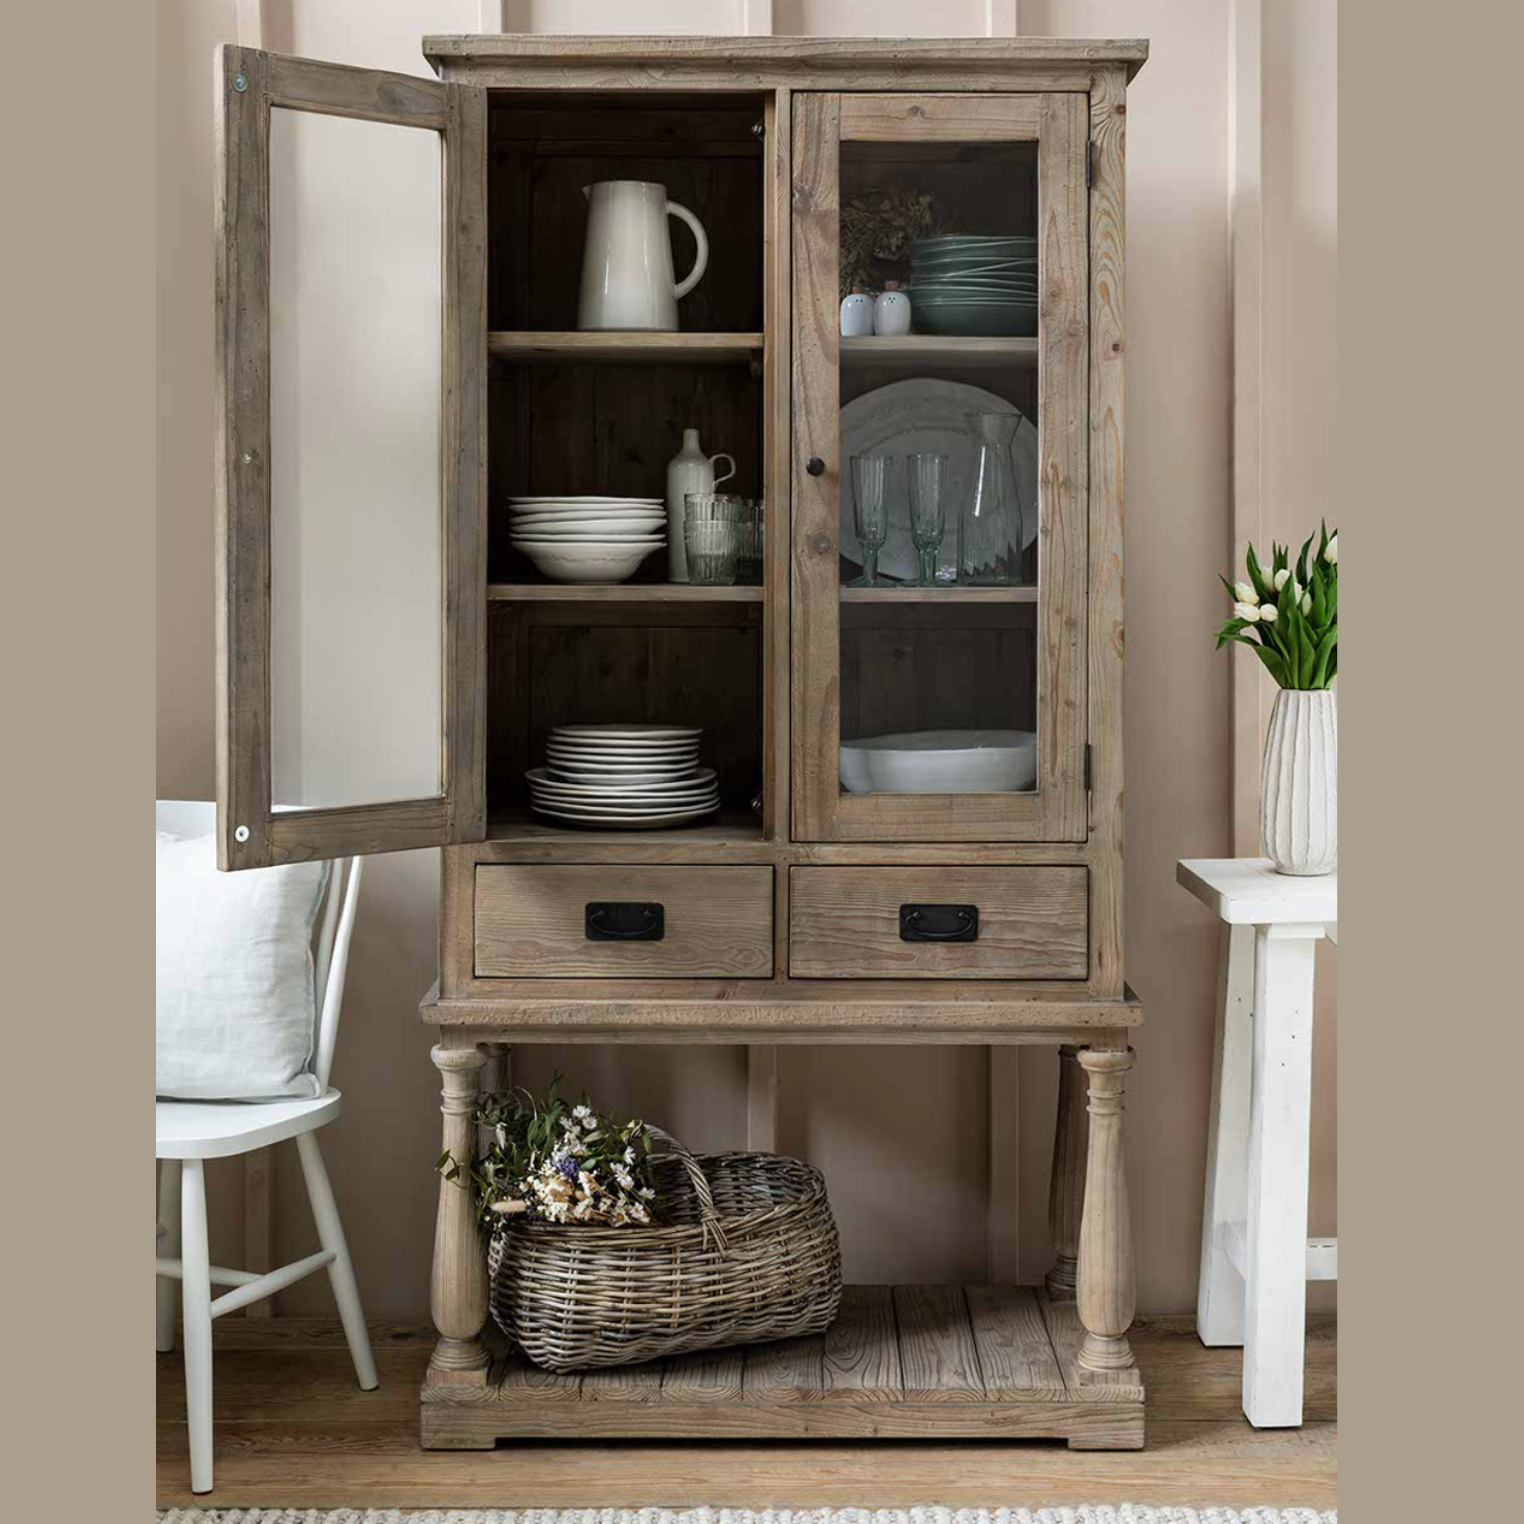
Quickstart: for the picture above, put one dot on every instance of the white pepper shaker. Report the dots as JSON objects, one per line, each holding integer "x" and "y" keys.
{"x": 891, "y": 311}
{"x": 856, "y": 314}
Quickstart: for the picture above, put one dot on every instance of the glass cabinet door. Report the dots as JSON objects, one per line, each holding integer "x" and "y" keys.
{"x": 351, "y": 333}
{"x": 940, "y": 280}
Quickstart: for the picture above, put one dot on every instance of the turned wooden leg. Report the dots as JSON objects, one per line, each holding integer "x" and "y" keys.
{"x": 497, "y": 1076}
{"x": 1066, "y": 1188}
{"x": 458, "y": 1291}
{"x": 1106, "y": 1292}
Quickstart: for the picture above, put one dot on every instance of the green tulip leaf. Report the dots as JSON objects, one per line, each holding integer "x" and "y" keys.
{"x": 1274, "y": 664}
{"x": 1265, "y": 589}
{"x": 1325, "y": 651}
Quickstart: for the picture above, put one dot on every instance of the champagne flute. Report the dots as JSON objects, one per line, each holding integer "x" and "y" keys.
{"x": 928, "y": 509}
{"x": 870, "y": 511}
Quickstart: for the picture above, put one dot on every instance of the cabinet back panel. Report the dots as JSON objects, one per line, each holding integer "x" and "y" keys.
{"x": 610, "y": 430}
{"x": 546, "y": 667}
{"x": 542, "y": 155}
{"x": 921, "y": 667}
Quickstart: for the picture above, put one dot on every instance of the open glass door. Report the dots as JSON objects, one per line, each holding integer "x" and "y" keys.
{"x": 939, "y": 487}
{"x": 352, "y": 364}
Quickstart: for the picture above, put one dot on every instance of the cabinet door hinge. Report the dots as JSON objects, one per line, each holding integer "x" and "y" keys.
{"x": 1089, "y": 164}
{"x": 1087, "y": 767}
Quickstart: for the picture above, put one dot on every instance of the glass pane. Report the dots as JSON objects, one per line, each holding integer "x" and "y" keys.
{"x": 357, "y": 577}
{"x": 939, "y": 502}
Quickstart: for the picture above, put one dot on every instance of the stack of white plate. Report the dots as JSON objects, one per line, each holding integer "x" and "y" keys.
{"x": 631, "y": 777}
{"x": 588, "y": 539}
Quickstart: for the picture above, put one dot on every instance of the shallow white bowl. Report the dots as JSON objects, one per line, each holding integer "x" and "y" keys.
{"x": 616, "y": 732}
{"x": 582, "y": 502}
{"x": 622, "y": 743}
{"x": 575, "y": 541}
{"x": 656, "y": 523}
{"x": 940, "y": 762}
{"x": 587, "y": 563}
{"x": 619, "y": 777}
{"x": 630, "y": 762}
{"x": 624, "y": 822}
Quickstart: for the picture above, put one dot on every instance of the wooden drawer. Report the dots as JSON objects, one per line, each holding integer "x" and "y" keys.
{"x": 846, "y": 923}
{"x": 532, "y": 922}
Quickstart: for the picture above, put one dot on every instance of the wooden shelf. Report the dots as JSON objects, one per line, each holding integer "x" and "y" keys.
{"x": 939, "y": 595}
{"x": 619, "y": 592}
{"x": 928, "y": 1362}
{"x": 733, "y": 825}
{"x": 911, "y": 350}
{"x": 627, "y": 348}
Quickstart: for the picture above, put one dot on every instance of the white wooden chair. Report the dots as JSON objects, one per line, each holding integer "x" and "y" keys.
{"x": 186, "y": 1133}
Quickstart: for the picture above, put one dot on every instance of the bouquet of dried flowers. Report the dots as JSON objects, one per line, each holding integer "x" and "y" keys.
{"x": 1292, "y": 613}
{"x": 552, "y": 1161}
{"x": 879, "y": 227}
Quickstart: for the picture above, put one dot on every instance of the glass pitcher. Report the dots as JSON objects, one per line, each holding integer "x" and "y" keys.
{"x": 991, "y": 538}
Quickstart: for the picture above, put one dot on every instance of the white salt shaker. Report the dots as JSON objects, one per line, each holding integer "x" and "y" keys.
{"x": 891, "y": 311}
{"x": 856, "y": 314}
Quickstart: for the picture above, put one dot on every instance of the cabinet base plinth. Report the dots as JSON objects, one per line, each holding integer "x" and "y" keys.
{"x": 904, "y": 1362}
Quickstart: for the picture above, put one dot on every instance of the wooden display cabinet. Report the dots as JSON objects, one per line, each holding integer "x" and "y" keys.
{"x": 785, "y": 913}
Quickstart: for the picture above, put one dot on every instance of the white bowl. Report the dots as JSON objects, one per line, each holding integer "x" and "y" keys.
{"x": 598, "y": 534}
{"x": 576, "y": 542}
{"x": 630, "y": 732}
{"x": 940, "y": 762}
{"x": 583, "y": 502}
{"x": 586, "y": 562}
{"x": 569, "y": 525}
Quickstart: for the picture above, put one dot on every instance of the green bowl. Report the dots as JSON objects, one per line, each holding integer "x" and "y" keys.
{"x": 972, "y": 287}
{"x": 982, "y": 298}
{"x": 936, "y": 242}
{"x": 976, "y": 320}
{"x": 971, "y": 266}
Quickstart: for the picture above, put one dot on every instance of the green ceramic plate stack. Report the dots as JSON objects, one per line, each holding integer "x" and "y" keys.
{"x": 970, "y": 284}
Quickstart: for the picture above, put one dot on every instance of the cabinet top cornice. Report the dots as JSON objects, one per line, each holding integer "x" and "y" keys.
{"x": 772, "y": 55}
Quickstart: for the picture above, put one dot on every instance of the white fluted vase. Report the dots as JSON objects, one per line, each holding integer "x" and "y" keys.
{"x": 1299, "y": 808}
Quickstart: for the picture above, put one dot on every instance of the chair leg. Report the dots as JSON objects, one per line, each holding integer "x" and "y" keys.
{"x": 341, "y": 1272}
{"x": 168, "y": 1248}
{"x": 196, "y": 1294}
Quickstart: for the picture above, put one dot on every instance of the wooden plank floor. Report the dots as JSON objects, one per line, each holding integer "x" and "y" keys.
{"x": 901, "y": 1362}
{"x": 292, "y": 1430}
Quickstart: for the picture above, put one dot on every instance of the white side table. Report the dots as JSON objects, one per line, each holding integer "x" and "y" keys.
{"x": 1256, "y": 1258}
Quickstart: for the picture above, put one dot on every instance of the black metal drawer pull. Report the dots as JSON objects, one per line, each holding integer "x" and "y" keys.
{"x": 625, "y": 921}
{"x": 939, "y": 923}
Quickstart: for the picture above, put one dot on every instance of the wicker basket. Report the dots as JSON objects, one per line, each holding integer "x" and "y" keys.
{"x": 748, "y": 1253}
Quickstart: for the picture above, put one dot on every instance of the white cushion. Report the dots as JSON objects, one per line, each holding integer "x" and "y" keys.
{"x": 235, "y": 1010}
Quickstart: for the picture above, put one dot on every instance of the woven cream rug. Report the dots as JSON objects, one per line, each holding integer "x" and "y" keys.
{"x": 1086, "y": 1513}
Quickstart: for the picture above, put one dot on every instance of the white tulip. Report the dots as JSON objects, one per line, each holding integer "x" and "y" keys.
{"x": 1331, "y": 551}
{"x": 1268, "y": 613}
{"x": 1282, "y": 577}
{"x": 1249, "y": 612}
{"x": 1306, "y": 604}
{"x": 1244, "y": 593}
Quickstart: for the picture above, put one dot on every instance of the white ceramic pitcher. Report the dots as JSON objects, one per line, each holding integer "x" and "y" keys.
{"x": 627, "y": 279}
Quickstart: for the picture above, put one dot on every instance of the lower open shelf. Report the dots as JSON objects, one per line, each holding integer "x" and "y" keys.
{"x": 902, "y": 1362}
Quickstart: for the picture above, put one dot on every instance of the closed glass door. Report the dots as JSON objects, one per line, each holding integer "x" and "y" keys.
{"x": 940, "y": 365}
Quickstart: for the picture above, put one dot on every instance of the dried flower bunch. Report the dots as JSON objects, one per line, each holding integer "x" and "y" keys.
{"x": 551, "y": 1161}
{"x": 878, "y": 227}
{"x": 1292, "y": 613}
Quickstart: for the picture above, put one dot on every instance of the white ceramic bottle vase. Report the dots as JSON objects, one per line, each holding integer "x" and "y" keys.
{"x": 690, "y": 470}
{"x": 1299, "y": 807}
